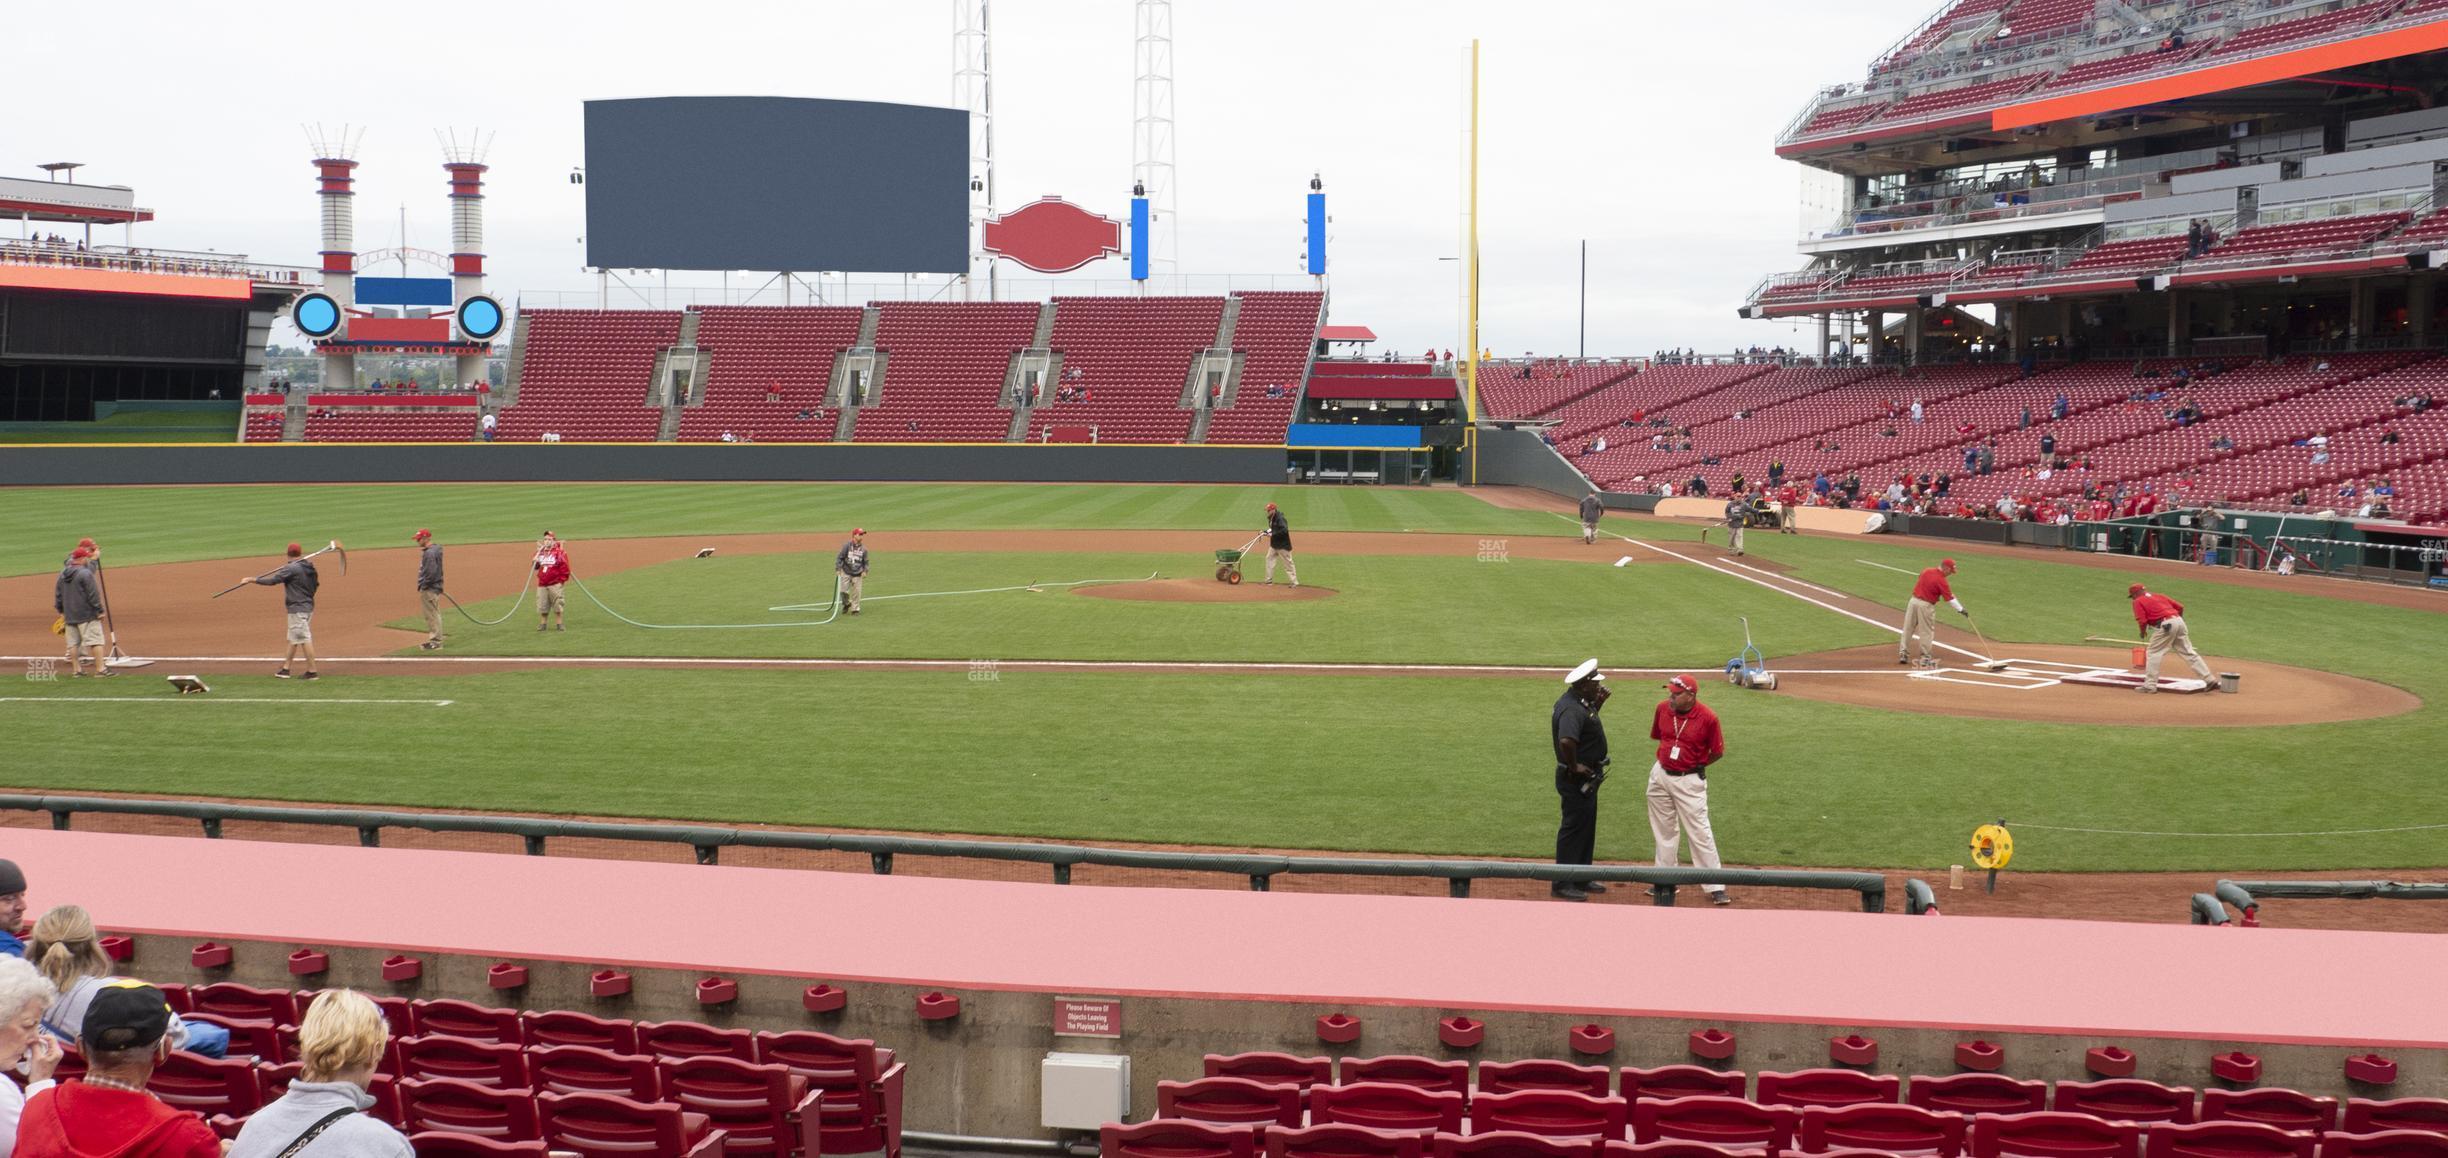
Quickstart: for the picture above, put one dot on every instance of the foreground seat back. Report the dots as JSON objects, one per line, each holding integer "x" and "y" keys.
{"x": 1230, "y": 1100}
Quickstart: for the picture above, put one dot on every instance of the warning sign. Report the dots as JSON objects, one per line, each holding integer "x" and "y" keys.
{"x": 1087, "y": 1017}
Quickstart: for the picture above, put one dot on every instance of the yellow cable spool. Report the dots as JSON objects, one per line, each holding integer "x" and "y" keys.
{"x": 1992, "y": 846}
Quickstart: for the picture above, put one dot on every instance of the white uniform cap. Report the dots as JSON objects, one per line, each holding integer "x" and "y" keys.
{"x": 1587, "y": 670}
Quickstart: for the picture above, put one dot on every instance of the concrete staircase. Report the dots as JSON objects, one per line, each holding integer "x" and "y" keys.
{"x": 864, "y": 352}
{"x": 1223, "y": 349}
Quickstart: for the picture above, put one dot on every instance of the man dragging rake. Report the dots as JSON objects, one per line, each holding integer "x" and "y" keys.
{"x": 298, "y": 581}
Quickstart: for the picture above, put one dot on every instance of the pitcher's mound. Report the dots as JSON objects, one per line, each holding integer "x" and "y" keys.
{"x": 1204, "y": 589}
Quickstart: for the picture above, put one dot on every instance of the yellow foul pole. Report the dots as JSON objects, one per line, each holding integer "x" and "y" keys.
{"x": 1470, "y": 274}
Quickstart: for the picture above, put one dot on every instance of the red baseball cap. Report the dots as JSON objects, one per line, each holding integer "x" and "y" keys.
{"x": 2134, "y": 592}
{"x": 88, "y": 544}
{"x": 422, "y": 534}
{"x": 294, "y": 549}
{"x": 1270, "y": 506}
{"x": 858, "y": 530}
{"x": 81, "y": 553}
{"x": 1948, "y": 565}
{"x": 1684, "y": 683}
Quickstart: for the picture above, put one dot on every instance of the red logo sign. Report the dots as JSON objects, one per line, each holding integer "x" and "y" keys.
{"x": 1051, "y": 235}
{"x": 1087, "y": 1017}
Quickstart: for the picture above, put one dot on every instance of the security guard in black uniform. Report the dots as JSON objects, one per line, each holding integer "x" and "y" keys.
{"x": 1581, "y": 760}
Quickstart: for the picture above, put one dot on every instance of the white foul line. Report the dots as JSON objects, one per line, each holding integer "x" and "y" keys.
{"x": 202, "y": 699}
{"x": 1882, "y": 566}
{"x": 681, "y": 661}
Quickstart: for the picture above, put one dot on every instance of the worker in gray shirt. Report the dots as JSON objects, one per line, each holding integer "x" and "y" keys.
{"x": 298, "y": 582}
{"x": 429, "y": 587}
{"x": 850, "y": 569}
{"x": 1591, "y": 509}
{"x": 1737, "y": 516}
{"x": 78, "y": 599}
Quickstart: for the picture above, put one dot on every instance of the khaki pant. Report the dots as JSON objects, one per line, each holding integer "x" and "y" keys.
{"x": 1920, "y": 623}
{"x": 1589, "y": 531}
{"x": 1290, "y": 572}
{"x": 1788, "y": 516}
{"x": 2169, "y": 635}
{"x": 1681, "y": 802}
{"x": 301, "y": 627}
{"x": 1734, "y": 532}
{"x": 431, "y": 602}
{"x": 849, "y": 587}
{"x": 549, "y": 599}
{"x": 84, "y": 635}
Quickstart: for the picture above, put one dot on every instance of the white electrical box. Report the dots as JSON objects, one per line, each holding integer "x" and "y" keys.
{"x": 1082, "y": 1091}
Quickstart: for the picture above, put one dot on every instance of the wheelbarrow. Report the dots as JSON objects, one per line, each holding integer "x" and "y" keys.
{"x": 1228, "y": 561}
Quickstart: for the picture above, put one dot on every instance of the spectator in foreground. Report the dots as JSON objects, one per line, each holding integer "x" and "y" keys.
{"x": 69, "y": 953}
{"x": 12, "y": 908}
{"x": 124, "y": 1036}
{"x": 24, "y": 997}
{"x": 323, "y": 1114}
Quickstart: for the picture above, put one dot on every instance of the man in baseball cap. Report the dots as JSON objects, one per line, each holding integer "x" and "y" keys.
{"x": 108, "y": 1111}
{"x": 1581, "y": 760}
{"x": 1279, "y": 546}
{"x": 429, "y": 587}
{"x": 77, "y": 596}
{"x": 1688, "y": 741}
{"x": 1921, "y": 614}
{"x": 12, "y": 908}
{"x": 850, "y": 570}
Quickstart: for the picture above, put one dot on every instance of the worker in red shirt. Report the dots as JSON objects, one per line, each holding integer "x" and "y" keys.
{"x": 2163, "y": 629}
{"x": 1688, "y": 741}
{"x": 1789, "y": 506}
{"x": 552, "y": 571}
{"x": 1921, "y": 614}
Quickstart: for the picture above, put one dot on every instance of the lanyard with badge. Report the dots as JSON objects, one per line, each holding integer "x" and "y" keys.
{"x": 1675, "y": 750}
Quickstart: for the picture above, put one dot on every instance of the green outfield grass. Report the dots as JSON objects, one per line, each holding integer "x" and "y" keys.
{"x": 130, "y": 426}
{"x": 172, "y": 524}
{"x": 1421, "y": 764}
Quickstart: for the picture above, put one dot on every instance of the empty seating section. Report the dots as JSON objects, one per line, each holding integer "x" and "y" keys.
{"x": 2296, "y": 238}
{"x": 545, "y": 1077}
{"x": 2286, "y": 32}
{"x": 2136, "y": 255}
{"x": 2034, "y": 18}
{"x": 1532, "y": 388}
{"x": 2103, "y": 70}
{"x": 1962, "y": 99}
{"x": 1789, "y": 404}
{"x": 763, "y": 366}
{"x": 2431, "y": 229}
{"x": 1274, "y": 332}
{"x": 451, "y": 424}
{"x": 262, "y": 425}
{"x": 587, "y": 375}
{"x": 1890, "y": 285}
{"x": 943, "y": 371}
{"x": 1841, "y": 117}
{"x": 1962, "y": 12}
{"x": 1132, "y": 356}
{"x": 1658, "y": 391}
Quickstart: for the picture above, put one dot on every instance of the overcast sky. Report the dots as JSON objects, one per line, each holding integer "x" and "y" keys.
{"x": 1643, "y": 126}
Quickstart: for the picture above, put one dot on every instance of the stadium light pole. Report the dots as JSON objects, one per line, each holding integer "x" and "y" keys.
{"x": 1470, "y": 278}
{"x": 1583, "y": 347}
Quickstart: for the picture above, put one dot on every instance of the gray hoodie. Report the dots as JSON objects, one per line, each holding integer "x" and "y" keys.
{"x": 429, "y": 569}
{"x": 298, "y": 582}
{"x": 78, "y": 597}
{"x": 274, "y": 1127}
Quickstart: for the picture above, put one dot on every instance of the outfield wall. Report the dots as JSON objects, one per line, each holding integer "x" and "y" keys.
{"x": 165, "y": 463}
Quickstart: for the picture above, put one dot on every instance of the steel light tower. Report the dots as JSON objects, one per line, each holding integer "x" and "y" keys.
{"x": 973, "y": 90}
{"x": 335, "y": 165}
{"x": 1152, "y": 129}
{"x": 464, "y": 161}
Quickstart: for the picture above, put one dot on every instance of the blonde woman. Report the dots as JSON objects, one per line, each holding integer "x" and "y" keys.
{"x": 323, "y": 1114}
{"x": 69, "y": 952}
{"x": 24, "y": 995}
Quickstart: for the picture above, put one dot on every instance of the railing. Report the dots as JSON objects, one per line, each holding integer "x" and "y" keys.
{"x": 122, "y": 259}
{"x": 812, "y": 290}
{"x": 1975, "y": 203}
{"x": 709, "y": 841}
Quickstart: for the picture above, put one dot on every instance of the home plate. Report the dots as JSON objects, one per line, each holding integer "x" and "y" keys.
{"x": 1984, "y": 678}
{"x": 1626, "y": 559}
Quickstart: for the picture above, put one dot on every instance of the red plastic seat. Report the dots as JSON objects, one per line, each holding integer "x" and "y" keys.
{"x": 2270, "y": 1106}
{"x": 482, "y": 1062}
{"x": 2225, "y": 1140}
{"x": 562, "y": 1027}
{"x": 683, "y": 1039}
{"x": 2053, "y": 1135}
{"x": 758, "y": 1107}
{"x": 2372, "y": 1116}
{"x": 1277, "y": 1068}
{"x": 261, "y": 1040}
{"x": 1176, "y": 1138}
{"x": 573, "y": 1069}
{"x": 1343, "y": 1141}
{"x": 2385, "y": 1144}
{"x": 2124, "y": 1100}
{"x": 1543, "y": 1074}
{"x": 1406, "y": 1070}
{"x": 444, "y": 1144}
{"x": 1719, "y": 1121}
{"x": 1386, "y": 1106}
{"x": 1681, "y": 1082}
{"x": 1884, "y": 1127}
{"x": 860, "y": 1108}
{"x": 1674, "y": 1148}
{"x": 1510, "y": 1144}
{"x": 457, "y": 1107}
{"x": 1232, "y": 1100}
{"x": 1977, "y": 1094}
{"x": 467, "y": 1020}
{"x": 232, "y": 1001}
{"x": 1827, "y": 1087}
{"x": 208, "y": 1086}
{"x": 605, "y": 1126}
{"x": 1551, "y": 1114}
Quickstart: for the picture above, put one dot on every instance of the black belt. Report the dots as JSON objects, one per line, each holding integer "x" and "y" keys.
{"x": 1699, "y": 772}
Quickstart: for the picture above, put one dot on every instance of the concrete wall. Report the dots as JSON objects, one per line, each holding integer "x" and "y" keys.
{"x": 693, "y": 462}
{"x": 1517, "y": 458}
{"x": 977, "y": 1074}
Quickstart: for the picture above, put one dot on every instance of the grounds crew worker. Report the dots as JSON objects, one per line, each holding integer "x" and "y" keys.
{"x": 298, "y": 582}
{"x": 1921, "y": 613}
{"x": 1689, "y": 739}
{"x": 552, "y": 570}
{"x": 1581, "y": 760}
{"x": 850, "y": 569}
{"x": 1279, "y": 545}
{"x": 1591, "y": 509}
{"x": 429, "y": 588}
{"x": 78, "y": 599}
{"x": 1737, "y": 515}
{"x": 2163, "y": 629}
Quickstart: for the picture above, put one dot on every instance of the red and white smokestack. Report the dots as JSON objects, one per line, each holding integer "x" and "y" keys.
{"x": 339, "y": 195}
{"x": 467, "y": 228}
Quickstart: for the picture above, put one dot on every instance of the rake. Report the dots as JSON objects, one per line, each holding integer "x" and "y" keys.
{"x": 334, "y": 548}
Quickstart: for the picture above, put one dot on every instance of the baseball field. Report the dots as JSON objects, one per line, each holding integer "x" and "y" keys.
{"x": 1060, "y": 662}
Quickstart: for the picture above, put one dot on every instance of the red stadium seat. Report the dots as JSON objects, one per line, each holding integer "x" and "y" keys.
{"x": 1406, "y": 1070}
{"x": 451, "y": 1106}
{"x": 562, "y": 1027}
{"x": 1176, "y": 1138}
{"x": 467, "y": 1021}
{"x": 2124, "y": 1100}
{"x": 1977, "y": 1094}
{"x": 575, "y": 1069}
{"x": 231, "y": 1001}
{"x": 1884, "y": 1127}
{"x": 260, "y": 1040}
{"x": 1385, "y": 1106}
{"x": 482, "y": 1062}
{"x": 758, "y": 1107}
{"x": 1551, "y": 1114}
{"x": 1511, "y": 1144}
{"x": 1673, "y": 1148}
{"x": 860, "y": 1110}
{"x": 1542, "y": 1074}
{"x": 443, "y": 1144}
{"x": 1276, "y": 1068}
{"x": 1341, "y": 1141}
{"x": 681, "y": 1039}
{"x": 1232, "y": 1100}
{"x": 2053, "y": 1135}
{"x": 1682, "y": 1082}
{"x": 2369, "y": 1116}
{"x": 604, "y": 1126}
{"x": 1827, "y": 1087}
{"x": 206, "y": 1085}
{"x": 2225, "y": 1140}
{"x": 2385, "y": 1144}
{"x": 1719, "y": 1121}
{"x": 2270, "y": 1106}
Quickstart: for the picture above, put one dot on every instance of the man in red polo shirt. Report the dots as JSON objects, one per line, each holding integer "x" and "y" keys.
{"x": 1789, "y": 504}
{"x": 2163, "y": 630}
{"x": 1688, "y": 741}
{"x": 109, "y": 1111}
{"x": 1921, "y": 613}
